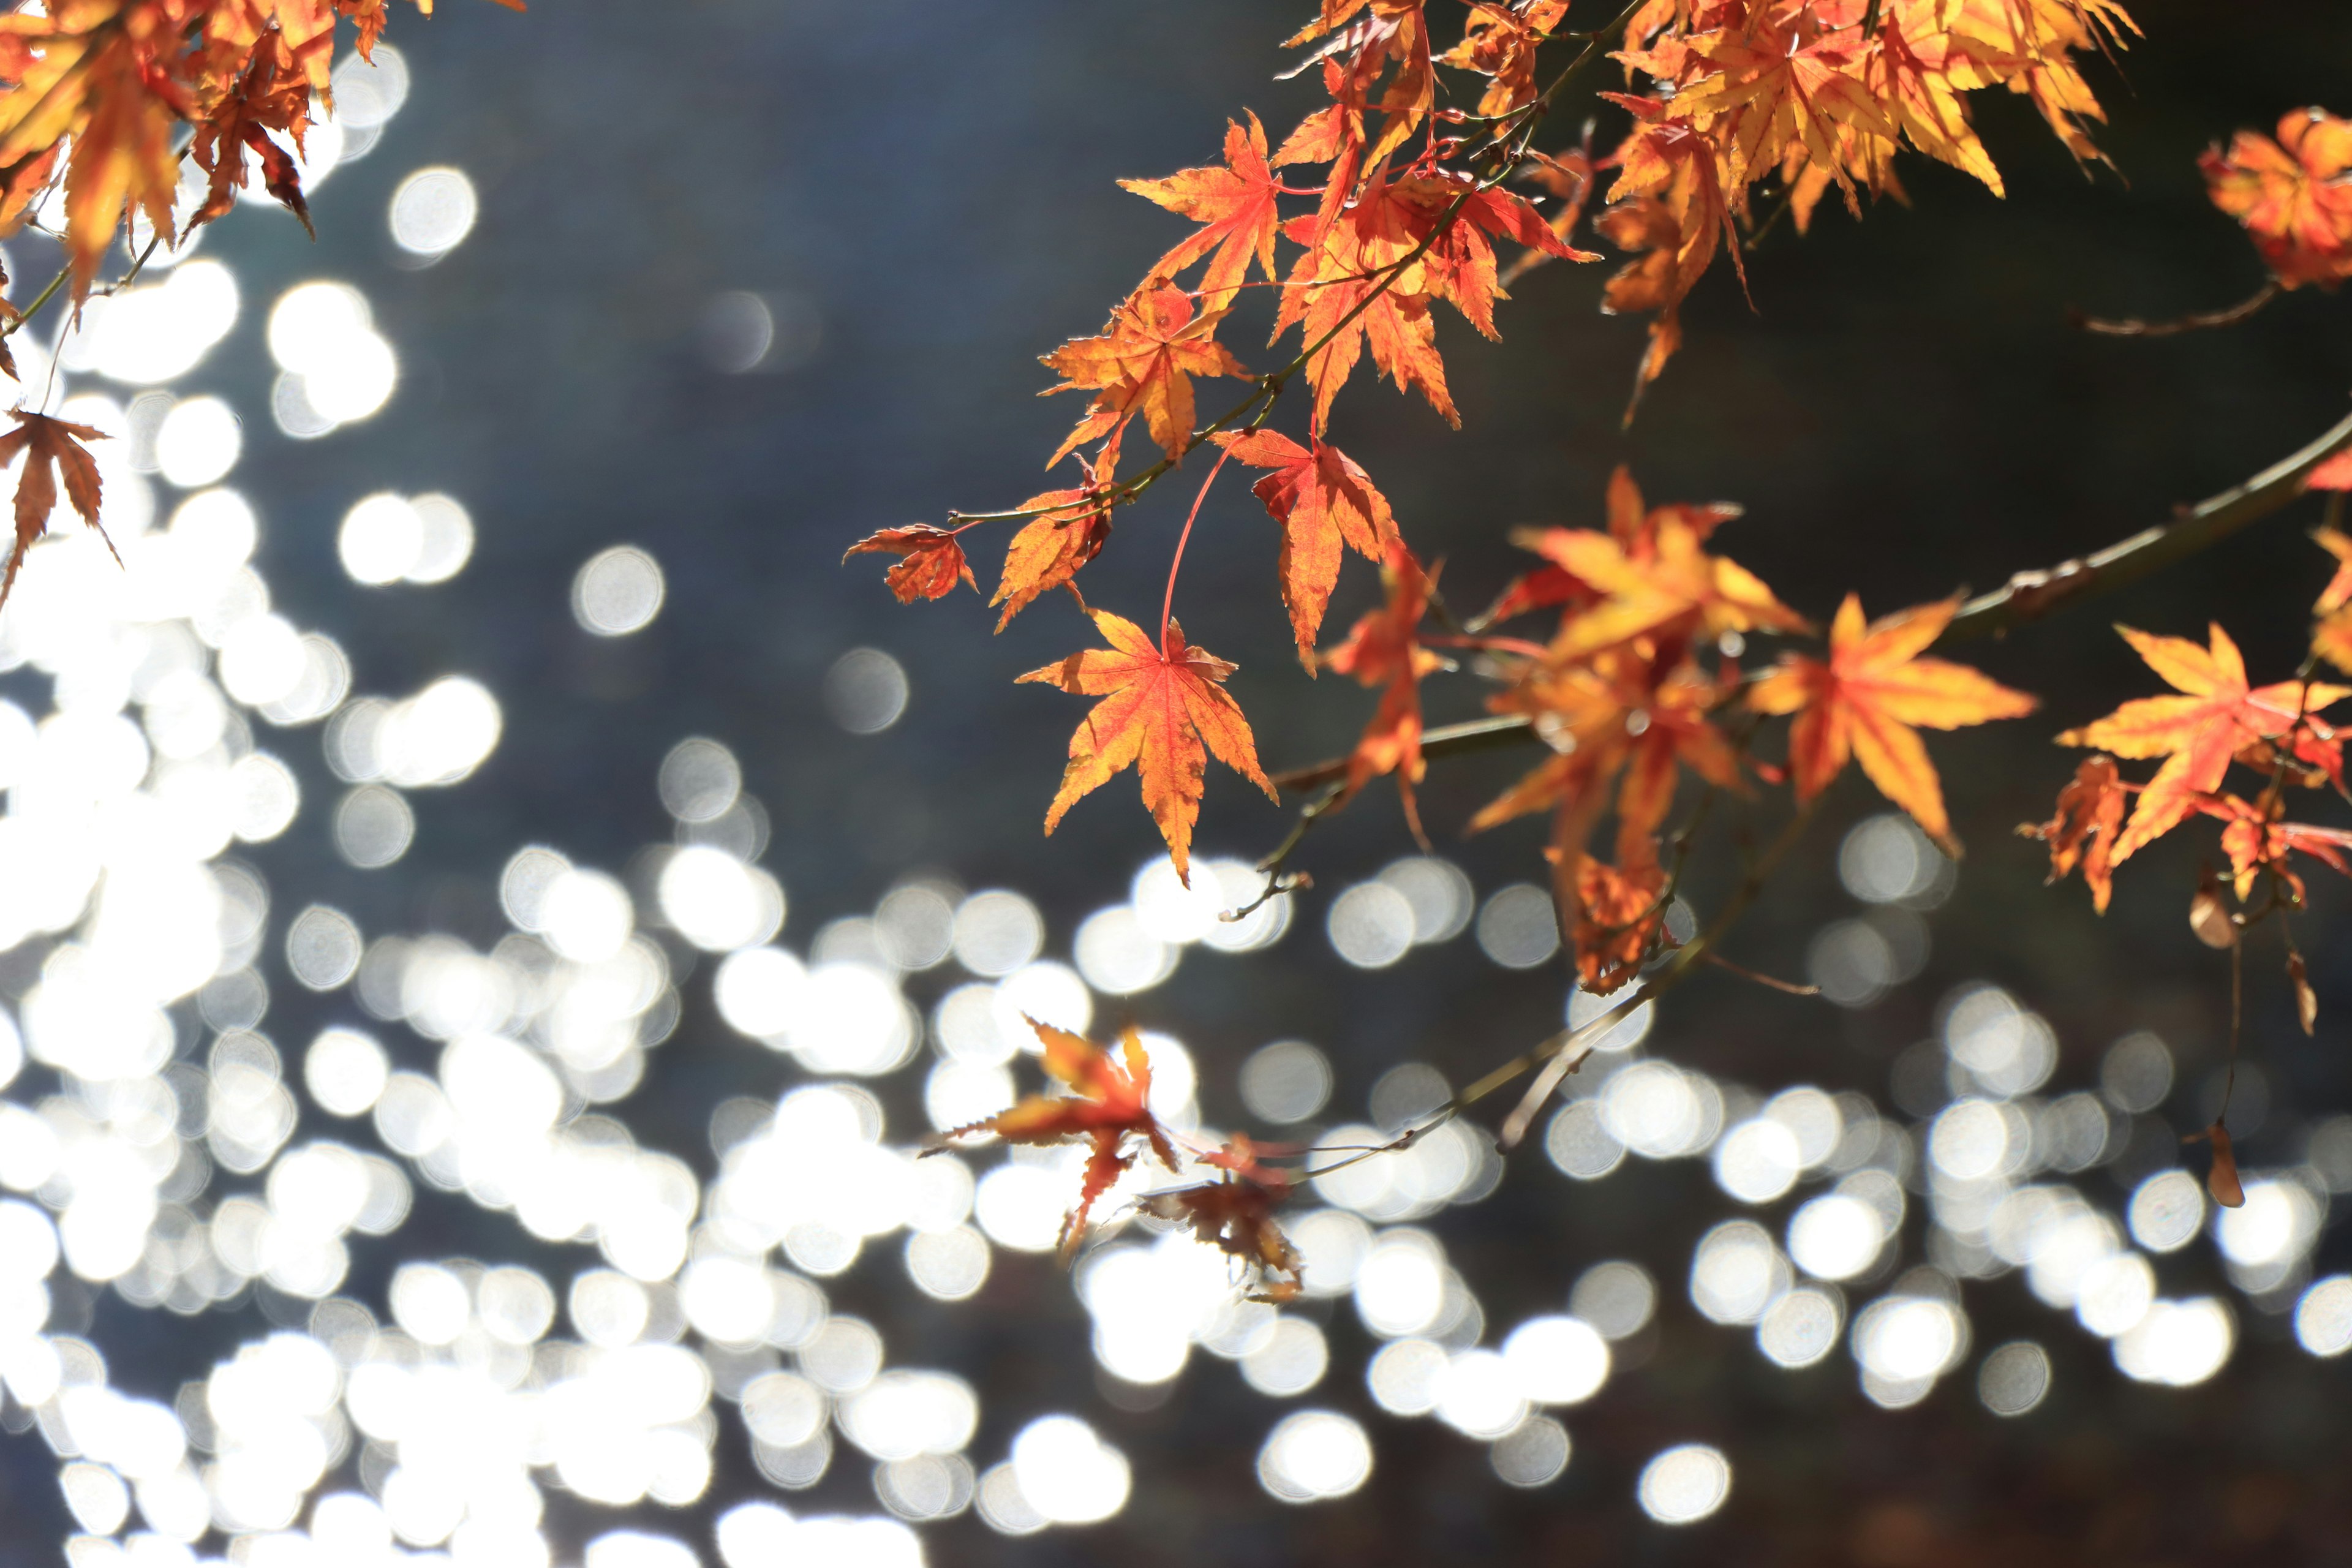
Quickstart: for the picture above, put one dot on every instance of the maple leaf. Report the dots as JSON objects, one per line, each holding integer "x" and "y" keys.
{"x": 1499, "y": 42}
{"x": 1651, "y": 578}
{"x": 1385, "y": 650}
{"x": 1781, "y": 81}
{"x": 1923, "y": 101}
{"x": 1668, "y": 204}
{"x": 2197, "y": 732}
{"x": 2028, "y": 46}
{"x": 1109, "y": 1103}
{"x": 2331, "y": 638}
{"x": 122, "y": 154}
{"x": 1392, "y": 30}
{"x": 1619, "y": 916}
{"x": 49, "y": 446}
{"x": 2255, "y": 840}
{"x": 1341, "y": 295}
{"x": 1867, "y": 700}
{"x": 1325, "y": 503}
{"x": 1070, "y": 530}
{"x": 1164, "y": 710}
{"x": 2292, "y": 194}
{"x": 1618, "y": 712}
{"x": 2081, "y": 831}
{"x": 1235, "y": 1216}
{"x": 931, "y": 561}
{"x": 271, "y": 94}
{"x": 1146, "y": 358}
{"x": 1236, "y": 206}
{"x": 1460, "y": 262}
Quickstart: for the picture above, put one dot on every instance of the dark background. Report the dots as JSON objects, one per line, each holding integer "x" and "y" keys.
{"x": 1905, "y": 412}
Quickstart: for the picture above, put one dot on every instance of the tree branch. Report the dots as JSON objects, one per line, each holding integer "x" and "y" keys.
{"x": 2026, "y": 596}
{"x": 2195, "y": 321}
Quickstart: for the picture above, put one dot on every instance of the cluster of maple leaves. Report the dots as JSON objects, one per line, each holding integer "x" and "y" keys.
{"x": 104, "y": 99}
{"x": 1738, "y": 112}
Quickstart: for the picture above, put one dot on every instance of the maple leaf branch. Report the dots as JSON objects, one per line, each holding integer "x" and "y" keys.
{"x": 1508, "y": 151}
{"x": 2026, "y": 596}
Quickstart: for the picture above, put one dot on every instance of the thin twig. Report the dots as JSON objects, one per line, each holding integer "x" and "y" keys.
{"x": 1786, "y": 987}
{"x": 2195, "y": 321}
{"x": 1276, "y": 865}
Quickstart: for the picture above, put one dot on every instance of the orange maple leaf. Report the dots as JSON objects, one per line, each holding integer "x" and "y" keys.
{"x": 1651, "y": 578}
{"x": 1236, "y": 206}
{"x": 1146, "y": 358}
{"x": 1340, "y": 295}
{"x": 1385, "y": 650}
{"x": 1323, "y": 501}
{"x": 931, "y": 561}
{"x": 1636, "y": 531}
{"x": 1164, "y": 710}
{"x": 49, "y": 446}
{"x": 2331, "y": 638}
{"x": 1499, "y": 42}
{"x": 2292, "y": 194}
{"x": 2255, "y": 840}
{"x": 272, "y": 93}
{"x": 1394, "y": 30}
{"x": 2081, "y": 831}
{"x": 1616, "y": 711}
{"x": 1109, "y": 1102}
{"x": 2197, "y": 732}
{"x": 1070, "y": 530}
{"x": 1780, "y": 81}
{"x": 1619, "y": 916}
{"x": 1460, "y": 262}
{"x": 1668, "y": 204}
{"x": 1866, "y": 699}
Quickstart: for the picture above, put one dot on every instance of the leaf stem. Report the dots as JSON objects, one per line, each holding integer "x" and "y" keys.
{"x": 1168, "y": 602}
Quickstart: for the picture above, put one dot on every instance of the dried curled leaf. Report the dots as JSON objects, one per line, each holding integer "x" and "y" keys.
{"x": 2306, "y": 1000}
{"x": 1235, "y": 1216}
{"x": 1108, "y": 1103}
{"x": 2082, "y": 832}
{"x": 2208, "y": 913}
{"x": 931, "y": 561}
{"x": 49, "y": 446}
{"x": 2221, "y": 1180}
